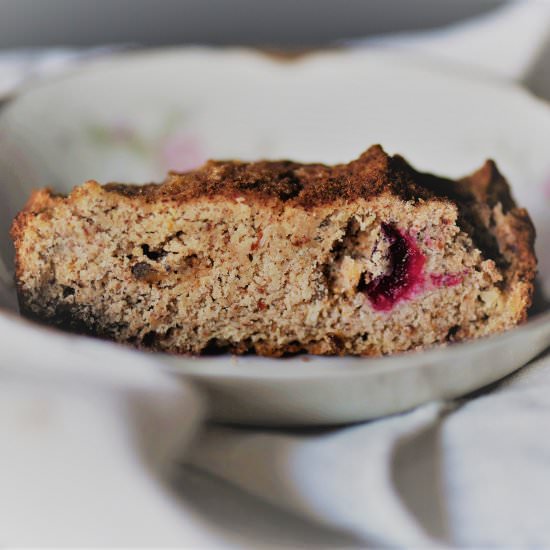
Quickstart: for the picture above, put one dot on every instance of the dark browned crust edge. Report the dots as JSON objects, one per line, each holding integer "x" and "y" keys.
{"x": 299, "y": 185}
{"x": 511, "y": 227}
{"x": 509, "y": 240}
{"x": 82, "y": 320}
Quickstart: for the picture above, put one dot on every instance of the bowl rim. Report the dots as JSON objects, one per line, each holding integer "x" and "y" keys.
{"x": 433, "y": 63}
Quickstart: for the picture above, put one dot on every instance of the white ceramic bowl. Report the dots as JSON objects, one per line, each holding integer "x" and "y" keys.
{"x": 132, "y": 117}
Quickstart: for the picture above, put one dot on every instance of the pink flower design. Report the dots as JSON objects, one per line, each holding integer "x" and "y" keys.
{"x": 120, "y": 133}
{"x": 181, "y": 152}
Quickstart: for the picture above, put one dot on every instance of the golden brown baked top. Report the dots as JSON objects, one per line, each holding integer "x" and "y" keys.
{"x": 302, "y": 185}
{"x": 312, "y": 185}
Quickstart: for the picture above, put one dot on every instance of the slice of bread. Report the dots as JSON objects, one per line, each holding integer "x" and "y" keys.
{"x": 365, "y": 258}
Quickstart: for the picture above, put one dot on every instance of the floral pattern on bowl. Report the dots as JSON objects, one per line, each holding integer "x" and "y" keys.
{"x": 171, "y": 148}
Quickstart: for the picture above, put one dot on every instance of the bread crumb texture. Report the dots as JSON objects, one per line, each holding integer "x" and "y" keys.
{"x": 366, "y": 258}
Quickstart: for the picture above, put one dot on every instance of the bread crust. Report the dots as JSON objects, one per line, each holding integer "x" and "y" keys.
{"x": 487, "y": 214}
{"x": 297, "y": 185}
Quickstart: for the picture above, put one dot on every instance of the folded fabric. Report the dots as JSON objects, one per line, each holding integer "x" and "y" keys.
{"x": 469, "y": 474}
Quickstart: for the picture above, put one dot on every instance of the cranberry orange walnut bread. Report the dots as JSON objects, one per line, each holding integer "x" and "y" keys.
{"x": 365, "y": 258}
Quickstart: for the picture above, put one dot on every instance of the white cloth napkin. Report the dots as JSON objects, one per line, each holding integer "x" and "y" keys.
{"x": 100, "y": 451}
